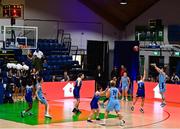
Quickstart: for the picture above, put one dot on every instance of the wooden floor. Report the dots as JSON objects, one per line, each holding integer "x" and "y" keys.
{"x": 154, "y": 116}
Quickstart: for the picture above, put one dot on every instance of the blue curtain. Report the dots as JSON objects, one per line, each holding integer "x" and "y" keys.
{"x": 124, "y": 54}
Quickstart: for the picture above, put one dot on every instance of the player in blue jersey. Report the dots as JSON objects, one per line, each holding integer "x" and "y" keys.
{"x": 108, "y": 86}
{"x": 162, "y": 83}
{"x": 95, "y": 104}
{"x": 113, "y": 104}
{"x": 140, "y": 91}
{"x": 76, "y": 92}
{"x": 28, "y": 98}
{"x": 41, "y": 97}
{"x": 125, "y": 83}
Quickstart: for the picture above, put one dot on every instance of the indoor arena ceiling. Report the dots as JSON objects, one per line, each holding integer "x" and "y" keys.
{"x": 117, "y": 14}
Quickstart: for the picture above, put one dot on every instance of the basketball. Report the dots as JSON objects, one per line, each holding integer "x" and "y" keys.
{"x": 136, "y": 48}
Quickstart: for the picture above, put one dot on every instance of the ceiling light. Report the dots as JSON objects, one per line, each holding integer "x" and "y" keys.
{"x": 123, "y": 2}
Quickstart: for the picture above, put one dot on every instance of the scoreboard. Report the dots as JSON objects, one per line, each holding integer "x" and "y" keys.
{"x": 12, "y": 11}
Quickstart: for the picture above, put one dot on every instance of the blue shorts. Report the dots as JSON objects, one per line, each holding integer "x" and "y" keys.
{"x": 43, "y": 100}
{"x": 140, "y": 94}
{"x": 29, "y": 99}
{"x": 94, "y": 105}
{"x": 124, "y": 87}
{"x": 113, "y": 105}
{"x": 162, "y": 87}
{"x": 76, "y": 94}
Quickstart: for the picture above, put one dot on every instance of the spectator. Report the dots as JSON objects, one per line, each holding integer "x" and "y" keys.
{"x": 8, "y": 94}
{"x": 6, "y": 60}
{"x": 98, "y": 76}
{"x": 151, "y": 79}
{"x": 1, "y": 75}
{"x": 175, "y": 79}
{"x": 34, "y": 75}
{"x": 114, "y": 73}
{"x": 45, "y": 64}
{"x": 115, "y": 80}
{"x": 65, "y": 77}
{"x": 30, "y": 55}
{"x": 54, "y": 79}
{"x": 39, "y": 54}
{"x": 122, "y": 70}
{"x": 37, "y": 59}
{"x": 29, "y": 59}
{"x": 168, "y": 79}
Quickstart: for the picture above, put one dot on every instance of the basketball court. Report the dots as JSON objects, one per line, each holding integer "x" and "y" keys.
{"x": 62, "y": 41}
{"x": 62, "y": 116}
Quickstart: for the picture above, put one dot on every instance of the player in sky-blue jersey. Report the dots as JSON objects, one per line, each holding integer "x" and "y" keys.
{"x": 162, "y": 83}
{"x": 113, "y": 104}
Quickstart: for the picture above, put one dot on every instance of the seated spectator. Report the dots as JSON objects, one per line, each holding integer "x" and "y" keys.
{"x": 54, "y": 79}
{"x": 45, "y": 64}
{"x": 151, "y": 79}
{"x": 1, "y": 75}
{"x": 175, "y": 79}
{"x": 65, "y": 77}
{"x": 168, "y": 79}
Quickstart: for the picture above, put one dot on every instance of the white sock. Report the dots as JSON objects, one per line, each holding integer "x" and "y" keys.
{"x": 47, "y": 113}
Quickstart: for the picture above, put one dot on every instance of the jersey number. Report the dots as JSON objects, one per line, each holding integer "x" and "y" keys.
{"x": 114, "y": 92}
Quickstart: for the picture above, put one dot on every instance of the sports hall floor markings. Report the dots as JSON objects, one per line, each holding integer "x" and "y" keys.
{"x": 154, "y": 116}
{"x": 61, "y": 111}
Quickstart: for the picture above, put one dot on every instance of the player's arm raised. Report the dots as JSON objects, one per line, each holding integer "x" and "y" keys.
{"x": 158, "y": 69}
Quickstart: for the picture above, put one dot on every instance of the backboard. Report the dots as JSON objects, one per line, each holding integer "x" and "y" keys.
{"x": 20, "y": 37}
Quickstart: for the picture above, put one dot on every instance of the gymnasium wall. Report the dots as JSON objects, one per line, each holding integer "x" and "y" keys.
{"x": 73, "y": 17}
{"x": 164, "y": 9}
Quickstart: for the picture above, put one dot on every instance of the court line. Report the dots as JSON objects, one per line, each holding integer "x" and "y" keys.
{"x": 154, "y": 123}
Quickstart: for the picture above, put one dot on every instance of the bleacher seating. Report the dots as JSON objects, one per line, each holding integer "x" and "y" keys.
{"x": 56, "y": 54}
